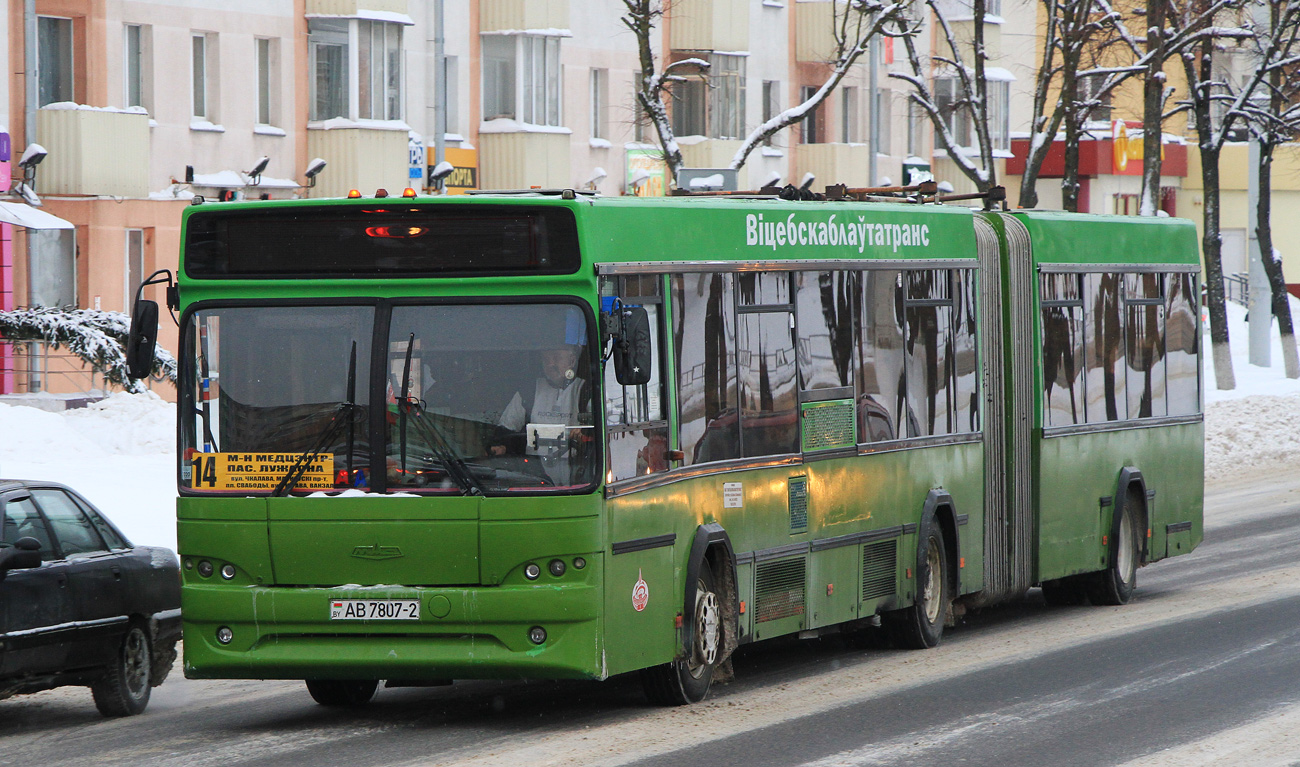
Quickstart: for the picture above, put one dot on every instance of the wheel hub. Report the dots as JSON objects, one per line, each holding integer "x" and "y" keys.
{"x": 708, "y": 630}
{"x": 933, "y": 585}
{"x": 136, "y": 664}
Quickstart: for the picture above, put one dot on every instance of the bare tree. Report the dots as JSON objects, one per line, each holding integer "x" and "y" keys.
{"x": 1173, "y": 28}
{"x": 656, "y": 85}
{"x": 1077, "y": 31}
{"x": 972, "y": 99}
{"x": 854, "y": 24}
{"x": 1272, "y": 120}
{"x": 1204, "y": 93}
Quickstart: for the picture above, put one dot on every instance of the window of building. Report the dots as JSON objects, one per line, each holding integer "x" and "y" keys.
{"x": 521, "y": 78}
{"x": 267, "y": 64}
{"x": 771, "y": 104}
{"x": 54, "y": 60}
{"x": 134, "y": 271}
{"x": 1088, "y": 88}
{"x": 712, "y": 107}
{"x": 885, "y": 119}
{"x": 954, "y": 108}
{"x": 328, "y": 54}
{"x": 917, "y": 120}
{"x": 374, "y": 90}
{"x": 451, "y": 85}
{"x": 203, "y": 69}
{"x": 727, "y": 113}
{"x": 379, "y": 65}
{"x": 850, "y": 115}
{"x": 810, "y": 128}
{"x": 137, "y": 70}
{"x": 599, "y": 96}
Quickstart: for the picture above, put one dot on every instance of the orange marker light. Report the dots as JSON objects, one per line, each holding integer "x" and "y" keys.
{"x": 830, "y": 589}
{"x": 742, "y": 607}
{"x": 354, "y": 193}
{"x": 909, "y": 572}
{"x": 962, "y": 562}
{"x": 678, "y": 621}
{"x": 1105, "y": 539}
{"x": 408, "y": 192}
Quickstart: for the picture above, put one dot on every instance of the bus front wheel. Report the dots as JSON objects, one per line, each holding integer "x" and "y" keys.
{"x": 686, "y": 680}
{"x": 342, "y": 692}
{"x": 920, "y": 626}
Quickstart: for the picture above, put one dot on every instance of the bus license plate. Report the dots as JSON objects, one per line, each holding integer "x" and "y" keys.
{"x": 374, "y": 609}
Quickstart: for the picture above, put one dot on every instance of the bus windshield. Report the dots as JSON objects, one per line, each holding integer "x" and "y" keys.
{"x": 482, "y": 398}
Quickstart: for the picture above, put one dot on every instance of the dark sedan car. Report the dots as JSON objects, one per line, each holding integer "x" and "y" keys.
{"x": 80, "y": 605}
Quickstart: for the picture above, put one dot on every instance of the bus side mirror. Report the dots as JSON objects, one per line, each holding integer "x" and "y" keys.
{"x": 144, "y": 335}
{"x": 632, "y": 355}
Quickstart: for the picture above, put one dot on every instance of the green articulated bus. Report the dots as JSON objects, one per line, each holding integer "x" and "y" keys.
{"x": 552, "y": 435}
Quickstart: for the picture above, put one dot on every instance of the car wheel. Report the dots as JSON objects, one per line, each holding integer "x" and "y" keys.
{"x": 344, "y": 693}
{"x": 124, "y": 691}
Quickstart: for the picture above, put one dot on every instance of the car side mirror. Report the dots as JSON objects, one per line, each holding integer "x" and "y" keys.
{"x": 24, "y": 555}
{"x": 141, "y": 342}
{"x": 632, "y": 350}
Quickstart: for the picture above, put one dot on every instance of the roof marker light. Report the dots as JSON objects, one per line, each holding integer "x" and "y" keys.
{"x": 354, "y": 193}
{"x": 381, "y": 192}
{"x": 408, "y": 192}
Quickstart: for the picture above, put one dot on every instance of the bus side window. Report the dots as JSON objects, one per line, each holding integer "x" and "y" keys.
{"x": 704, "y": 338}
{"x": 635, "y": 416}
{"x": 1104, "y": 348}
{"x": 1144, "y": 336}
{"x": 1063, "y": 383}
{"x": 931, "y": 384}
{"x": 1181, "y": 339}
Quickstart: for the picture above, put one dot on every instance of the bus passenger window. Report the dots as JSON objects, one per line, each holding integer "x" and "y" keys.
{"x": 704, "y": 333}
{"x": 879, "y": 350}
{"x": 1062, "y": 313}
{"x": 828, "y": 305}
{"x": 1145, "y": 339}
{"x": 930, "y": 372}
{"x": 965, "y": 352}
{"x": 1181, "y": 340}
{"x": 1104, "y": 348}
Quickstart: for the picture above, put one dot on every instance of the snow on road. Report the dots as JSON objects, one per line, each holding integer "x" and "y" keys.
{"x": 119, "y": 452}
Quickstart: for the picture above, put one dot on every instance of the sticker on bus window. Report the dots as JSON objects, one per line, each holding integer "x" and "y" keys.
{"x": 258, "y": 471}
{"x": 733, "y": 495}
{"x": 640, "y": 593}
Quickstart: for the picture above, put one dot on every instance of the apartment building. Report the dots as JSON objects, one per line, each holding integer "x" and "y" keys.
{"x": 142, "y": 104}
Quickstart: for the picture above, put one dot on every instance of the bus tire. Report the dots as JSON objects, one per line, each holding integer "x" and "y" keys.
{"x": 686, "y": 680}
{"x": 342, "y": 693}
{"x": 1065, "y": 592}
{"x": 1115, "y": 584}
{"x": 920, "y": 626}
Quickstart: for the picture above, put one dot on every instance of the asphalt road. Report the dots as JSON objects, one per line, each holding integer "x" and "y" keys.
{"x": 1203, "y": 661}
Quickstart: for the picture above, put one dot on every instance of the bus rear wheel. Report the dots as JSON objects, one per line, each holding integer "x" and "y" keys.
{"x": 687, "y": 680}
{"x": 343, "y": 693}
{"x": 920, "y": 626}
{"x": 1115, "y": 584}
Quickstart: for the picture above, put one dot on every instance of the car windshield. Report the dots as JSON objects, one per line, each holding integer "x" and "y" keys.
{"x": 470, "y": 398}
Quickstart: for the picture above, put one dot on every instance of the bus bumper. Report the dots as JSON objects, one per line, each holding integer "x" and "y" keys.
{"x": 483, "y": 633}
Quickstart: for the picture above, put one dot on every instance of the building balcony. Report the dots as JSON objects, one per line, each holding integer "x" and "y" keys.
{"x": 523, "y": 15}
{"x": 814, "y": 38}
{"x": 93, "y": 151}
{"x": 356, "y": 8}
{"x": 359, "y": 157}
{"x": 709, "y": 25}
{"x": 518, "y": 159}
{"x": 848, "y": 164}
{"x": 708, "y": 152}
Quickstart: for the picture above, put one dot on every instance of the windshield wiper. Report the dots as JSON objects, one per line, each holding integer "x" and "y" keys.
{"x": 343, "y": 415}
{"x": 455, "y": 467}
